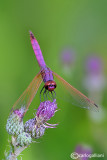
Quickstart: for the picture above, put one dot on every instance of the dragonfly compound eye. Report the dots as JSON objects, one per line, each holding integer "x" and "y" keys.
{"x": 50, "y": 85}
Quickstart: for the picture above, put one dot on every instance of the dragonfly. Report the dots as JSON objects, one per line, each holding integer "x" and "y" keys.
{"x": 46, "y": 75}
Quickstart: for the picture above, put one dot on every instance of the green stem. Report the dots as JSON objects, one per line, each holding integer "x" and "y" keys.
{"x": 15, "y": 150}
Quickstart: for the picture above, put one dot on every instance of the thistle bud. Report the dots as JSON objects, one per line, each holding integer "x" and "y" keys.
{"x": 24, "y": 139}
{"x": 36, "y": 130}
{"x": 14, "y": 124}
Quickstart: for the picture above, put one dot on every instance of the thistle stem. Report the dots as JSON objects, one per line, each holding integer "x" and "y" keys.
{"x": 15, "y": 150}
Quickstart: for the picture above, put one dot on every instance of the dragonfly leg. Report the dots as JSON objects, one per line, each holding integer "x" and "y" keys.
{"x": 55, "y": 94}
{"x": 44, "y": 93}
{"x": 49, "y": 95}
{"x": 41, "y": 92}
{"x": 52, "y": 96}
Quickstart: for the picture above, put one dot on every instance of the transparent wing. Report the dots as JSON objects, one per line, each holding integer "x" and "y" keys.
{"x": 27, "y": 96}
{"x": 80, "y": 98}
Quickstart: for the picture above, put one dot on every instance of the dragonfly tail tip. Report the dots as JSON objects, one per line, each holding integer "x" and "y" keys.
{"x": 96, "y": 105}
{"x": 30, "y": 31}
{"x": 31, "y": 34}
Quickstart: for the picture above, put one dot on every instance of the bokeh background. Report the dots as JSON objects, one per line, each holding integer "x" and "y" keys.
{"x": 78, "y": 28}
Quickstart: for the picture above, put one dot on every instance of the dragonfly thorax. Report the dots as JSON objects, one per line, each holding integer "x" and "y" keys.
{"x": 50, "y": 85}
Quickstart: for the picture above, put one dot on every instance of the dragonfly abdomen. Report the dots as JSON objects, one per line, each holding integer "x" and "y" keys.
{"x": 37, "y": 51}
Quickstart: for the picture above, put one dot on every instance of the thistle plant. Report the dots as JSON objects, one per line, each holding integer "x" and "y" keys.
{"x": 22, "y": 135}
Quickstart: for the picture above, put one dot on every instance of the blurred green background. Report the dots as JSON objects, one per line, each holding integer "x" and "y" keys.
{"x": 81, "y": 25}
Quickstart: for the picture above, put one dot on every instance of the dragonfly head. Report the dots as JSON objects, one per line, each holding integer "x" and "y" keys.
{"x": 50, "y": 85}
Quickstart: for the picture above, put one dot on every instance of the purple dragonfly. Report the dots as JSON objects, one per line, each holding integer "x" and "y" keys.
{"x": 47, "y": 76}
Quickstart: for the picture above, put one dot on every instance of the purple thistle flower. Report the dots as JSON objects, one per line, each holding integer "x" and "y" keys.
{"x": 46, "y": 110}
{"x": 36, "y": 126}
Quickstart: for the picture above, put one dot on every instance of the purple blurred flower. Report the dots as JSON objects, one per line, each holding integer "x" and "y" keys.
{"x": 67, "y": 57}
{"x": 94, "y": 65}
{"x": 95, "y": 83}
{"x": 83, "y": 150}
{"x": 36, "y": 126}
{"x": 95, "y": 80}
